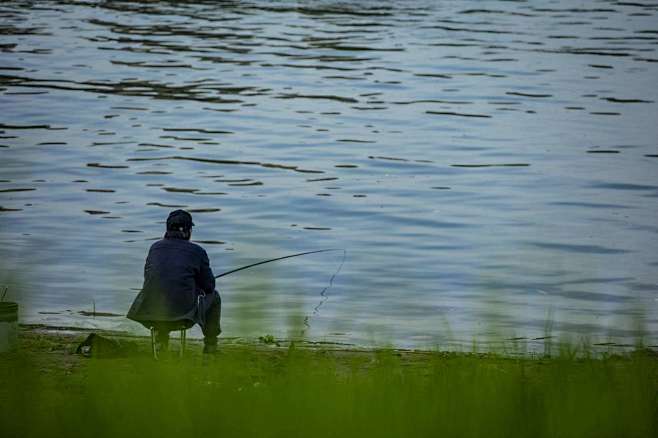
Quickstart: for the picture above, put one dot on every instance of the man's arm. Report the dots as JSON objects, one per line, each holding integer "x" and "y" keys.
{"x": 206, "y": 280}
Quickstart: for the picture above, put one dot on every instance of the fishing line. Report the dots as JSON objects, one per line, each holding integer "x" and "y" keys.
{"x": 323, "y": 294}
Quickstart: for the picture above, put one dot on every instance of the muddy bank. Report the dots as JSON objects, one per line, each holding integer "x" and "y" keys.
{"x": 58, "y": 348}
{"x": 61, "y": 344}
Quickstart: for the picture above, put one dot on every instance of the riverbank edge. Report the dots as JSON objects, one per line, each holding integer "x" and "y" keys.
{"x": 39, "y": 338}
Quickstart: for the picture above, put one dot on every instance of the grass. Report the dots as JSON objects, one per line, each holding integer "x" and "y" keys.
{"x": 268, "y": 391}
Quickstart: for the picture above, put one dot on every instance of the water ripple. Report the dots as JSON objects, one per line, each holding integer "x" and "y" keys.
{"x": 461, "y": 152}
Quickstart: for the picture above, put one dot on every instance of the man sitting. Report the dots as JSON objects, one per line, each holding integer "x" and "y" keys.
{"x": 179, "y": 286}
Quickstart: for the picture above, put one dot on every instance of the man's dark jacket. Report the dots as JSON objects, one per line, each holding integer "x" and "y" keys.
{"x": 176, "y": 272}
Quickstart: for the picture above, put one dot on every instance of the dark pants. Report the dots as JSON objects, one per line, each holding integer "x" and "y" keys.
{"x": 207, "y": 315}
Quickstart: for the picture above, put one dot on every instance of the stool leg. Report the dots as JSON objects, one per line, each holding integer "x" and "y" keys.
{"x": 153, "y": 344}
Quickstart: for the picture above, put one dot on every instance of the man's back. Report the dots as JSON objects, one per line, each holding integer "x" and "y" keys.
{"x": 175, "y": 273}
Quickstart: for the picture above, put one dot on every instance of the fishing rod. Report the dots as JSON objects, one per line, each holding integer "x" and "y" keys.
{"x": 274, "y": 260}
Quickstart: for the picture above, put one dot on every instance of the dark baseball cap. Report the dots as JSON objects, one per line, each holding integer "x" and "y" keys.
{"x": 179, "y": 219}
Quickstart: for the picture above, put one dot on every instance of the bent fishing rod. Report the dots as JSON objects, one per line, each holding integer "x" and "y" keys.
{"x": 278, "y": 258}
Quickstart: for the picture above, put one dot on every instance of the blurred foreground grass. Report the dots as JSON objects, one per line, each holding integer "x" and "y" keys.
{"x": 265, "y": 391}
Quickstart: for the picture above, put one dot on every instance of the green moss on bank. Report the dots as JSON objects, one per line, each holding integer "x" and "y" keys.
{"x": 265, "y": 391}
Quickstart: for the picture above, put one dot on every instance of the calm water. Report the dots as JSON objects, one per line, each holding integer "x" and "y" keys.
{"x": 491, "y": 167}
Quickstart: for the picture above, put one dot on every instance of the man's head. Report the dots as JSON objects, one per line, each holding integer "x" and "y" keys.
{"x": 180, "y": 220}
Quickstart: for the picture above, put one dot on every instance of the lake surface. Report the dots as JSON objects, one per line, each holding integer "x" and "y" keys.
{"x": 491, "y": 167}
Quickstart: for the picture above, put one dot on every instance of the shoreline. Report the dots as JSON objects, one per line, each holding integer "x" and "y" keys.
{"x": 72, "y": 335}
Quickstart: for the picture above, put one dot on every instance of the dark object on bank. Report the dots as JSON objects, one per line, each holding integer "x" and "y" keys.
{"x": 98, "y": 346}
